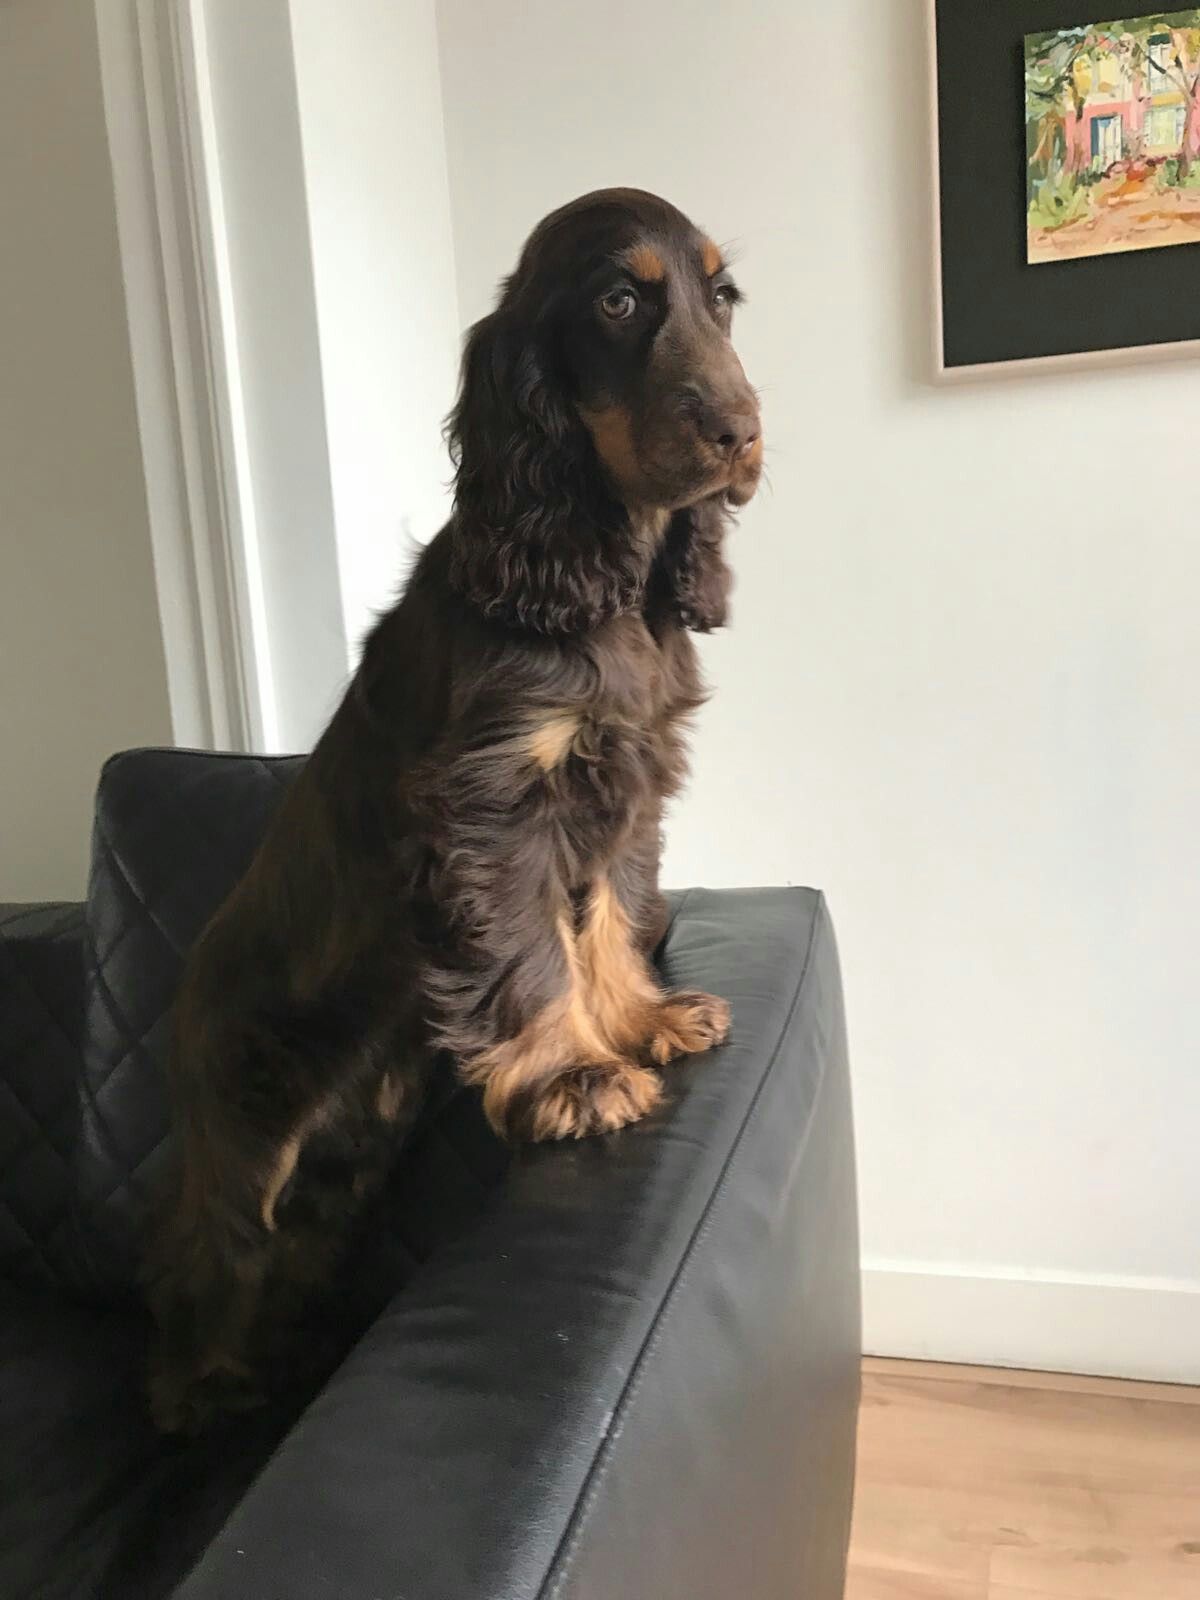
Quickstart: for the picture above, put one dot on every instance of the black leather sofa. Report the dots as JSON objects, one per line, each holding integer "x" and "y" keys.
{"x": 625, "y": 1367}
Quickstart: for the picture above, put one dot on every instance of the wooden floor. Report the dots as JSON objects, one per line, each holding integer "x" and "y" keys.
{"x": 982, "y": 1485}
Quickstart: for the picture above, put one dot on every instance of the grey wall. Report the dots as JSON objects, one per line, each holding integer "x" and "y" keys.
{"x": 81, "y": 659}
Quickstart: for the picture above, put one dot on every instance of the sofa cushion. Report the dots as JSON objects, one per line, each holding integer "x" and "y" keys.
{"x": 41, "y": 1002}
{"x": 94, "y": 1505}
{"x": 93, "y": 1502}
{"x": 173, "y": 832}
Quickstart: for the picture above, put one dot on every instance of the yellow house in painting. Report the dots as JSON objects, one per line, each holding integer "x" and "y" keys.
{"x": 1127, "y": 105}
{"x": 1166, "y": 114}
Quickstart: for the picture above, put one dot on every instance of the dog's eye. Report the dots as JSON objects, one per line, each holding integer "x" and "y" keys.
{"x": 619, "y": 304}
{"x": 724, "y": 296}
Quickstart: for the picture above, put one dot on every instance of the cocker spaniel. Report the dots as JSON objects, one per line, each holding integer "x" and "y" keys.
{"x": 469, "y": 860}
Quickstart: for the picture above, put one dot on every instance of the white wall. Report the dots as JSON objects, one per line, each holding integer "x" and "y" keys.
{"x": 379, "y": 219}
{"x": 324, "y": 158}
{"x": 961, "y": 688}
{"x": 257, "y": 182}
{"x": 81, "y": 658}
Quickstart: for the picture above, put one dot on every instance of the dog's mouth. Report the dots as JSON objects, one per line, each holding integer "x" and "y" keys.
{"x": 676, "y": 473}
{"x": 737, "y": 480}
{"x": 745, "y": 475}
{"x": 736, "y": 483}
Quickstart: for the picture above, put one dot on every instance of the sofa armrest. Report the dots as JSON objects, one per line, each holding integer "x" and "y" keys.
{"x": 41, "y": 1011}
{"x": 637, "y": 1375}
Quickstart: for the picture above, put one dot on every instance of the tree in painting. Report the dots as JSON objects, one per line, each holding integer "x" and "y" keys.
{"x": 1113, "y": 135}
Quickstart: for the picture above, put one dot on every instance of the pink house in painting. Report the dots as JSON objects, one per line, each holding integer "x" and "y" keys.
{"x": 1128, "y": 112}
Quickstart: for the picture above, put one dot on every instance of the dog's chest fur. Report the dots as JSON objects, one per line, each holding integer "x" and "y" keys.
{"x": 612, "y": 747}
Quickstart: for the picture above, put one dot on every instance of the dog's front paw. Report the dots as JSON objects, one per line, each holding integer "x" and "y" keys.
{"x": 686, "y": 1024}
{"x": 591, "y": 1099}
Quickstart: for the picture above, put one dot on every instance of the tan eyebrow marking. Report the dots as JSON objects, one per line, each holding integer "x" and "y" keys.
{"x": 711, "y": 256}
{"x": 646, "y": 263}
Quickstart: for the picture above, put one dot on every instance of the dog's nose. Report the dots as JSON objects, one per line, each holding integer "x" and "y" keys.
{"x": 733, "y": 432}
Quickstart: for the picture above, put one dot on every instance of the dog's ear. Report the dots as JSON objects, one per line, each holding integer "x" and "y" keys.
{"x": 538, "y": 540}
{"x": 691, "y": 581}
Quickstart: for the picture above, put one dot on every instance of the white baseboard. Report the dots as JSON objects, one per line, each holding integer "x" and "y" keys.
{"x": 1109, "y": 1327}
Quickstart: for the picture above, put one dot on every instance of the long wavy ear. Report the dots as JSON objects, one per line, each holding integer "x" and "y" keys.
{"x": 691, "y": 581}
{"x": 538, "y": 540}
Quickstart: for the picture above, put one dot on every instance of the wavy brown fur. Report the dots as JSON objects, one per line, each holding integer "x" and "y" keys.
{"x": 469, "y": 861}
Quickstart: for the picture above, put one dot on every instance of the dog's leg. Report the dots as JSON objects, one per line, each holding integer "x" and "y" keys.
{"x": 550, "y": 1005}
{"x": 560, "y": 1075}
{"x": 503, "y": 983}
{"x": 622, "y": 994}
{"x": 205, "y": 1294}
{"x": 248, "y": 1234}
{"x": 582, "y": 1063}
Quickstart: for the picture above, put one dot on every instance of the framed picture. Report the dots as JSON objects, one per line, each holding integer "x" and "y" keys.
{"x": 1067, "y": 184}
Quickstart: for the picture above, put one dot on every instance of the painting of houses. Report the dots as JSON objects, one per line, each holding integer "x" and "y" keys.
{"x": 1113, "y": 136}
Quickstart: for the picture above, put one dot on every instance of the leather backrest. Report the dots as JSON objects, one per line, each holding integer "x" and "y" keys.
{"x": 41, "y": 1004}
{"x": 174, "y": 830}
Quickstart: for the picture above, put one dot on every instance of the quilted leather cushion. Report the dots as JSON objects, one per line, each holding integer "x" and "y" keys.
{"x": 41, "y": 990}
{"x": 174, "y": 830}
{"x": 94, "y": 1504}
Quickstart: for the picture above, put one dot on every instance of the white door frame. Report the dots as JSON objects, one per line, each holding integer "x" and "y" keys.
{"x": 183, "y": 343}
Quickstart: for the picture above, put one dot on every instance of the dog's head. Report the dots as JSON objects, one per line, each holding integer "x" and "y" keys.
{"x": 601, "y": 397}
